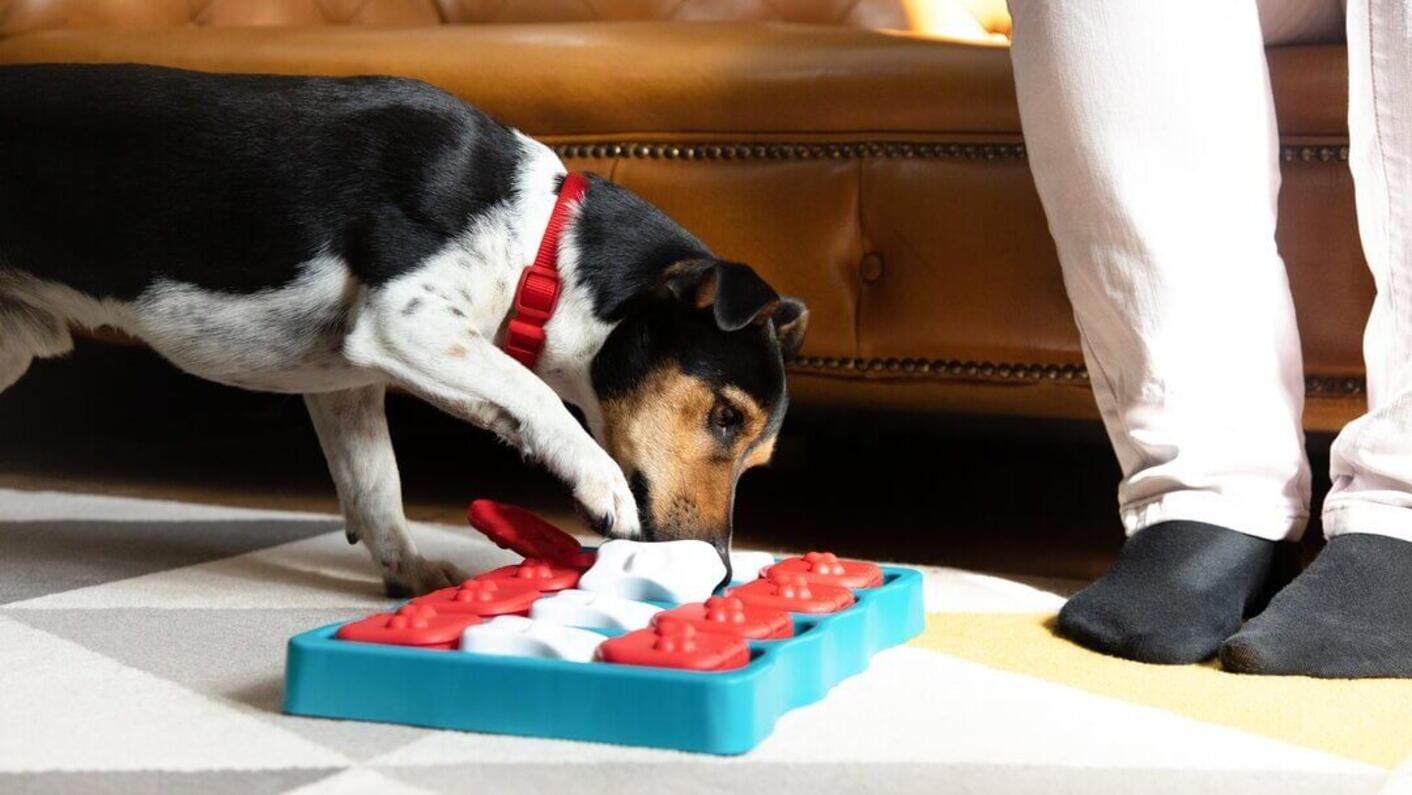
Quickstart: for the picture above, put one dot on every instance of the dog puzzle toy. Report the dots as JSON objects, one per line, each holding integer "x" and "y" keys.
{"x": 635, "y": 643}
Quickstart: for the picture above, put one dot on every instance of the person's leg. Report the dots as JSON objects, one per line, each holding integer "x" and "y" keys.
{"x": 1350, "y": 613}
{"x": 1151, "y": 133}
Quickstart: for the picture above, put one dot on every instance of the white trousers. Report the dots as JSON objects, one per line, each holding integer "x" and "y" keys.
{"x": 1151, "y": 132}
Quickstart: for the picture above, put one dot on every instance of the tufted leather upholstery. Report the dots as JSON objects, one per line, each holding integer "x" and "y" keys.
{"x": 862, "y": 161}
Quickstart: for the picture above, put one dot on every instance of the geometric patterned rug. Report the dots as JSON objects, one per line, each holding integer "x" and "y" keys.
{"x": 142, "y": 650}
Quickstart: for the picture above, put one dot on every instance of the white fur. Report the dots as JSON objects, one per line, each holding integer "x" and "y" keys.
{"x": 35, "y": 317}
{"x": 433, "y": 330}
{"x": 284, "y": 339}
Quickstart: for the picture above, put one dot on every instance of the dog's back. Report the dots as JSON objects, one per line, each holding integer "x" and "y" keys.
{"x": 112, "y": 177}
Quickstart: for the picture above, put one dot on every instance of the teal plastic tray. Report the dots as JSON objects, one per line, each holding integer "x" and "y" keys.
{"x": 727, "y": 712}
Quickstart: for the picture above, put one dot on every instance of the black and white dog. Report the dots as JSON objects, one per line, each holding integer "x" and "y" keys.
{"x": 330, "y": 237}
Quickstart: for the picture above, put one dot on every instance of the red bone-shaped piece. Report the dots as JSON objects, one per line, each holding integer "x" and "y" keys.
{"x": 483, "y": 597}
{"x": 793, "y": 593}
{"x": 516, "y": 529}
{"x": 540, "y": 573}
{"x": 676, "y": 645}
{"x": 825, "y": 567}
{"x": 411, "y": 625}
{"x": 730, "y": 616}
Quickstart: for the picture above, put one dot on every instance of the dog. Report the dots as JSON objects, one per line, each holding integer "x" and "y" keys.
{"x": 332, "y": 237}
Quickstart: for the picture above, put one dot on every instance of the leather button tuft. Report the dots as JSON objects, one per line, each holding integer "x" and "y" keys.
{"x": 871, "y": 267}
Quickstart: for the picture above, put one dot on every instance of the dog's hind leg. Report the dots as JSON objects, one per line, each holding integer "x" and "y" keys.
{"x": 26, "y": 332}
{"x": 352, "y": 430}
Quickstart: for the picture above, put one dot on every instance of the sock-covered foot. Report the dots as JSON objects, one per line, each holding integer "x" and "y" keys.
{"x": 1348, "y": 615}
{"x": 1175, "y": 592}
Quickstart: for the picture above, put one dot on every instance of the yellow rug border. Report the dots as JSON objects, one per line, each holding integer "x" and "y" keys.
{"x": 1367, "y": 720}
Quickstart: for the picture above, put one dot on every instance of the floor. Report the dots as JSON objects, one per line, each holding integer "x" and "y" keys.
{"x": 142, "y": 650}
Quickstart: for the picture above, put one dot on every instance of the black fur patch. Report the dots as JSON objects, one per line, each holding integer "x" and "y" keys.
{"x": 112, "y": 177}
{"x": 667, "y": 330}
{"x": 625, "y": 244}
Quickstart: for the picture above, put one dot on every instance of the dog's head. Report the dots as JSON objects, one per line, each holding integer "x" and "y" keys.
{"x": 690, "y": 384}
{"x": 692, "y": 393}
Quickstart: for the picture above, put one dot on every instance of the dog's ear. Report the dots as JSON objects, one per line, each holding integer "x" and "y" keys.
{"x": 791, "y": 321}
{"x": 735, "y": 292}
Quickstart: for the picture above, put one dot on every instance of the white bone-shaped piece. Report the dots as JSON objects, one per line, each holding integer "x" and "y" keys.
{"x": 578, "y": 608}
{"x": 517, "y": 636}
{"x": 746, "y": 566}
{"x": 655, "y": 571}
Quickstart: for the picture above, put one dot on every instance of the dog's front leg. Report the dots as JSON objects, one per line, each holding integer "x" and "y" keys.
{"x": 433, "y": 354}
{"x": 352, "y": 430}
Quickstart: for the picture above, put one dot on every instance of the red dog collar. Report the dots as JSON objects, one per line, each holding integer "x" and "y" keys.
{"x": 538, "y": 292}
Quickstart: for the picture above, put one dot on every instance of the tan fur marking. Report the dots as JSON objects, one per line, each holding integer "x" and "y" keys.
{"x": 456, "y": 351}
{"x": 706, "y": 293}
{"x": 660, "y": 430}
{"x": 761, "y": 455}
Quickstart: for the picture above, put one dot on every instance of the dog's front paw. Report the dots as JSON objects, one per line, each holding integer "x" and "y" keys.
{"x": 603, "y": 491}
{"x": 419, "y": 576}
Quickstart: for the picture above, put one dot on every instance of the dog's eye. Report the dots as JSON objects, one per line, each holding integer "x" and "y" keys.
{"x": 725, "y": 416}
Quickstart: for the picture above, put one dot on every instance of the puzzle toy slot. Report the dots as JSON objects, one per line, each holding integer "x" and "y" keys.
{"x": 579, "y": 644}
{"x": 517, "y": 636}
{"x": 664, "y": 571}
{"x": 574, "y": 608}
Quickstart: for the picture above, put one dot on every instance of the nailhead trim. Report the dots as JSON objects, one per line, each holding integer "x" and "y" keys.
{"x": 1012, "y": 372}
{"x": 944, "y": 368}
{"x": 1334, "y": 385}
{"x": 848, "y": 151}
{"x": 1309, "y": 154}
{"x": 795, "y": 151}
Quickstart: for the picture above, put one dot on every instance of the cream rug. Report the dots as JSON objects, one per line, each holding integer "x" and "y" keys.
{"x": 141, "y": 650}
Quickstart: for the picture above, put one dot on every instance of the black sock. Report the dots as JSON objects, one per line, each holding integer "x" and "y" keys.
{"x": 1348, "y": 615}
{"x": 1175, "y": 592}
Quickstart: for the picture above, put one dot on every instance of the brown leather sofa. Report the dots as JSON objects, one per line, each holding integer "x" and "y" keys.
{"x": 865, "y": 154}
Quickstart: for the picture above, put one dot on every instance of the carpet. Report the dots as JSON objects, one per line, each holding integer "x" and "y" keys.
{"x": 142, "y": 643}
